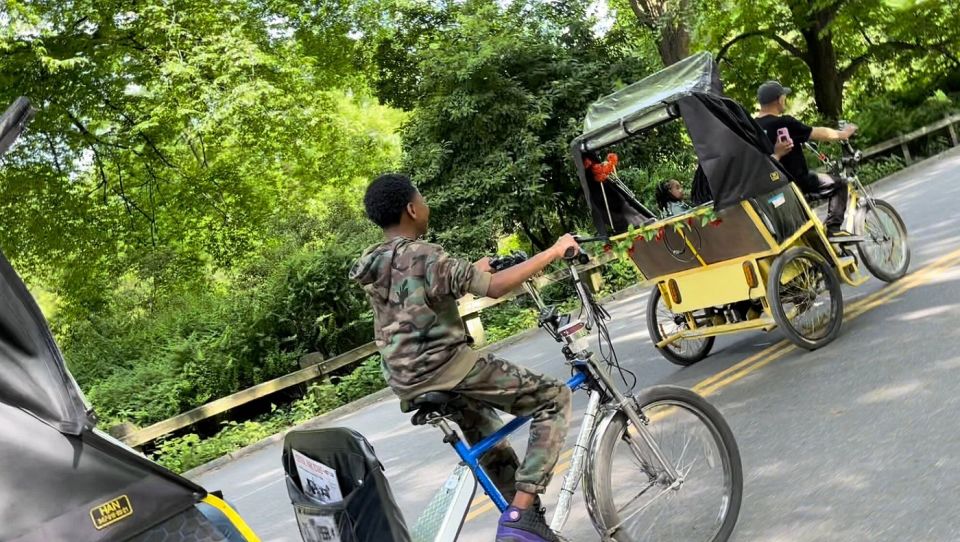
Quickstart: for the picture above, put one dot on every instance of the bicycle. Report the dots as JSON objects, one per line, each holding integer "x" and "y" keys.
{"x": 633, "y": 453}
{"x": 880, "y": 235}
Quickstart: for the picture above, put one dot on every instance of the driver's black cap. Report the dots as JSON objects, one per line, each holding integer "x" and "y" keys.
{"x": 771, "y": 91}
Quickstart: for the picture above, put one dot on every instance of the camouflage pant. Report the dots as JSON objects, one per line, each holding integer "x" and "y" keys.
{"x": 494, "y": 383}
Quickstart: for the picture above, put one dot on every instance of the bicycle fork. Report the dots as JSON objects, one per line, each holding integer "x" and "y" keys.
{"x": 629, "y": 407}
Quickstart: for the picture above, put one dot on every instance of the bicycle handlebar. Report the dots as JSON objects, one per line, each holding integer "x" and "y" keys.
{"x": 581, "y": 257}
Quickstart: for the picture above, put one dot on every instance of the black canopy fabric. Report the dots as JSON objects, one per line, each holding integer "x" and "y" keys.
{"x": 13, "y": 121}
{"x": 733, "y": 152}
{"x": 34, "y": 376}
{"x": 735, "y": 162}
{"x": 621, "y": 205}
{"x": 64, "y": 487}
{"x": 60, "y": 479}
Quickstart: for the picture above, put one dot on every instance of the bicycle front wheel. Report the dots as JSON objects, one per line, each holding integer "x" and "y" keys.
{"x": 630, "y": 495}
{"x": 884, "y": 251}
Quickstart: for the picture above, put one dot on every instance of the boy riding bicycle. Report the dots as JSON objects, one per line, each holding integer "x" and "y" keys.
{"x": 413, "y": 287}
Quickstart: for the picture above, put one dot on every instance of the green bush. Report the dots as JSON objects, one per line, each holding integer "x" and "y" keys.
{"x": 619, "y": 274}
{"x": 147, "y": 365}
{"x": 364, "y": 380}
{"x": 507, "y": 319}
{"x": 884, "y": 118}
{"x": 875, "y": 170}
{"x": 188, "y": 451}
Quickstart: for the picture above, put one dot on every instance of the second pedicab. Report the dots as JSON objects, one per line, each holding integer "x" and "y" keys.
{"x": 755, "y": 255}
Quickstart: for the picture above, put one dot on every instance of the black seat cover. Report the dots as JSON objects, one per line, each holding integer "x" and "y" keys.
{"x": 368, "y": 511}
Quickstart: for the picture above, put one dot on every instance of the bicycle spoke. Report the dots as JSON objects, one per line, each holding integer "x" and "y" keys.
{"x": 650, "y": 506}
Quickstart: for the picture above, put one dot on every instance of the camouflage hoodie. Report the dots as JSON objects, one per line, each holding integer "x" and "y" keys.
{"x": 413, "y": 288}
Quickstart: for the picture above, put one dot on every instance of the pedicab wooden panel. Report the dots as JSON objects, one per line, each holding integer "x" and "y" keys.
{"x": 714, "y": 286}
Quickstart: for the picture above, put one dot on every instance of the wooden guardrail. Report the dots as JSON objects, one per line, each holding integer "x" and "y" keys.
{"x": 470, "y": 309}
{"x": 903, "y": 140}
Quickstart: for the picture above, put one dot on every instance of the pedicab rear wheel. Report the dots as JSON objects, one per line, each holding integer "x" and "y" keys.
{"x": 803, "y": 291}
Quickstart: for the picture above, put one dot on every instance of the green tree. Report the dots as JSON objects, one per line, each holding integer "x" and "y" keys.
{"x": 170, "y": 135}
{"x": 831, "y": 40}
{"x": 502, "y": 92}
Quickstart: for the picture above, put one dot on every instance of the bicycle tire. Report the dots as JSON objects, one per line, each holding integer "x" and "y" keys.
{"x": 777, "y": 291}
{"x": 673, "y": 355}
{"x": 601, "y": 485}
{"x": 875, "y": 267}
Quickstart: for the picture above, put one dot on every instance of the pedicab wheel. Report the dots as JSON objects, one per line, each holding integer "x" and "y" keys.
{"x": 804, "y": 295}
{"x": 661, "y": 322}
{"x": 884, "y": 250}
{"x": 629, "y": 494}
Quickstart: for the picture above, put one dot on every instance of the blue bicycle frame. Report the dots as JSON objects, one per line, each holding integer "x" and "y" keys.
{"x": 471, "y": 454}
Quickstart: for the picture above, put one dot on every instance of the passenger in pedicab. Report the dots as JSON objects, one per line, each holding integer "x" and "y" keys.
{"x": 669, "y": 195}
{"x": 780, "y": 128}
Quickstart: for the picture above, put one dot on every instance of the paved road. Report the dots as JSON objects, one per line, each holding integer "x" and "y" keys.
{"x": 856, "y": 441}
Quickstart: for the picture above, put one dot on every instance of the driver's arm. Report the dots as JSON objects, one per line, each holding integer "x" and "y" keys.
{"x": 821, "y": 133}
{"x": 504, "y": 282}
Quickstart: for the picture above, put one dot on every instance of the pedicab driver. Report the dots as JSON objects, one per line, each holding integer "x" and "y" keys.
{"x": 773, "y": 102}
{"x": 413, "y": 287}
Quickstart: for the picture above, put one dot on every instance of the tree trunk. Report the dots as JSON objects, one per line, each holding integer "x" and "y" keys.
{"x": 827, "y": 82}
{"x": 673, "y": 41}
{"x": 666, "y": 22}
{"x": 821, "y": 57}
{"x": 537, "y": 242}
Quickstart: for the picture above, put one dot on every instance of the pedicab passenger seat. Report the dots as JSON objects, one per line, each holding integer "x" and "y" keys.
{"x": 368, "y": 511}
{"x": 782, "y": 212}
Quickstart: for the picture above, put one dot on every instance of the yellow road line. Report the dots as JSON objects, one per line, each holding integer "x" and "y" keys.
{"x": 880, "y": 297}
{"x": 735, "y": 372}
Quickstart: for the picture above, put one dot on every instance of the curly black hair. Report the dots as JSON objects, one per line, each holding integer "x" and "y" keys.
{"x": 663, "y": 195}
{"x": 387, "y": 197}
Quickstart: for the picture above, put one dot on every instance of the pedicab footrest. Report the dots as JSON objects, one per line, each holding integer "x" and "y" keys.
{"x": 764, "y": 322}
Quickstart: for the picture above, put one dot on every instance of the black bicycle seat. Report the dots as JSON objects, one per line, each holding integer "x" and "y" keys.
{"x": 433, "y": 402}
{"x": 437, "y": 398}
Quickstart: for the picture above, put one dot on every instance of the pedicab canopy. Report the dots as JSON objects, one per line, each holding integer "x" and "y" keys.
{"x": 60, "y": 479}
{"x": 734, "y": 155}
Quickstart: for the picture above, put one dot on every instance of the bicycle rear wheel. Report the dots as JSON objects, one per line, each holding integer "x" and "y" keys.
{"x": 629, "y": 494}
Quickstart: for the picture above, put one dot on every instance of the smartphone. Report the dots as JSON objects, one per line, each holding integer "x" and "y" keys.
{"x": 784, "y": 135}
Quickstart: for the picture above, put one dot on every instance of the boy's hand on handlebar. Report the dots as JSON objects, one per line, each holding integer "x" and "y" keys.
{"x": 848, "y": 130}
{"x": 564, "y": 245}
{"x": 483, "y": 265}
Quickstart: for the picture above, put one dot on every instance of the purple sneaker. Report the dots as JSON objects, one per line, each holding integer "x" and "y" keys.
{"x": 524, "y": 526}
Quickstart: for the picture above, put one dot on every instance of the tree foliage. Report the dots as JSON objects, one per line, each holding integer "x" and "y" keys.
{"x": 168, "y": 140}
{"x": 823, "y": 45}
{"x": 502, "y": 93}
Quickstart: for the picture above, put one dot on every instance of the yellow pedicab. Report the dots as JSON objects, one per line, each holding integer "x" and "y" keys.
{"x": 756, "y": 256}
